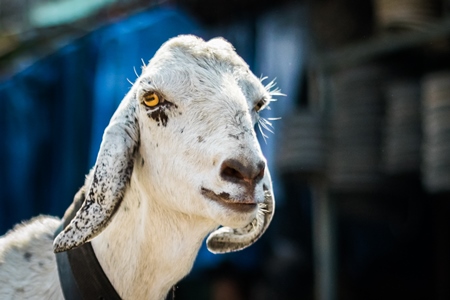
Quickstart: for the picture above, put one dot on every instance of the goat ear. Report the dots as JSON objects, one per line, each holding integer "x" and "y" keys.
{"x": 226, "y": 239}
{"x": 107, "y": 183}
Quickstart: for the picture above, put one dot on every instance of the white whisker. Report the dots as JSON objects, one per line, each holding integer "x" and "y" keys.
{"x": 266, "y": 125}
{"x": 135, "y": 72}
{"x": 265, "y": 136}
{"x": 271, "y": 89}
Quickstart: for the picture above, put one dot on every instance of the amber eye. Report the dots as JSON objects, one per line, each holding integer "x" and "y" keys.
{"x": 151, "y": 99}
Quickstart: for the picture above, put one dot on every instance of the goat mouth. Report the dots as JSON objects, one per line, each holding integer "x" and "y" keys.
{"x": 243, "y": 206}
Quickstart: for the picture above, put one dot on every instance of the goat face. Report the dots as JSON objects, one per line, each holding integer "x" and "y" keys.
{"x": 188, "y": 132}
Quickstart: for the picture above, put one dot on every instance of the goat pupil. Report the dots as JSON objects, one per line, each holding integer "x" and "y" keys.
{"x": 151, "y": 99}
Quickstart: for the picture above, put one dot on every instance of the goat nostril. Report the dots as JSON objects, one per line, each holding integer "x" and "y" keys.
{"x": 229, "y": 172}
{"x": 234, "y": 171}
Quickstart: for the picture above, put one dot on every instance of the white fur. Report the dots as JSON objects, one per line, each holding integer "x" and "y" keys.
{"x": 152, "y": 240}
{"x": 27, "y": 262}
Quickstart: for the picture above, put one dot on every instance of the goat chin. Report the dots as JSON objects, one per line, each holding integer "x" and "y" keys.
{"x": 179, "y": 159}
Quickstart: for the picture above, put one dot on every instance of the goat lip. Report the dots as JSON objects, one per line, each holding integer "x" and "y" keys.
{"x": 244, "y": 206}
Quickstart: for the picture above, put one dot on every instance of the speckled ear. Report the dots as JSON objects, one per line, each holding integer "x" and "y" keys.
{"x": 226, "y": 239}
{"x": 110, "y": 178}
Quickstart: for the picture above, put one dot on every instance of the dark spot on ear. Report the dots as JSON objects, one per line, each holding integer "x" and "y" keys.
{"x": 156, "y": 145}
{"x": 182, "y": 130}
{"x": 142, "y": 162}
{"x": 214, "y": 162}
{"x": 125, "y": 208}
{"x": 200, "y": 139}
{"x": 180, "y": 113}
{"x": 27, "y": 256}
{"x": 41, "y": 264}
{"x": 20, "y": 290}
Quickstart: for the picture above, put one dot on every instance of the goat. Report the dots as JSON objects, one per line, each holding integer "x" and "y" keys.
{"x": 179, "y": 159}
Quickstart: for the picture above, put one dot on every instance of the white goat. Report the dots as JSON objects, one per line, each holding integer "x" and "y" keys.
{"x": 179, "y": 158}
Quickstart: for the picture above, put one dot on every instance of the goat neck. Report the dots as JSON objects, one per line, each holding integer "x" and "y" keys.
{"x": 148, "y": 248}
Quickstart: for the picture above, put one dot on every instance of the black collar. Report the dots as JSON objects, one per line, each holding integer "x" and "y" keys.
{"x": 81, "y": 275}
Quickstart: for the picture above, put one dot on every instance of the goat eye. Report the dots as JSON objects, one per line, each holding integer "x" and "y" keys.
{"x": 151, "y": 99}
{"x": 259, "y": 105}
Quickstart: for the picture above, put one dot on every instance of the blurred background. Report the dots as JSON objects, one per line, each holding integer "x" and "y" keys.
{"x": 360, "y": 165}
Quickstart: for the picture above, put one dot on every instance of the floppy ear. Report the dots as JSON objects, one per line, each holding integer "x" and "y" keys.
{"x": 226, "y": 239}
{"x": 109, "y": 180}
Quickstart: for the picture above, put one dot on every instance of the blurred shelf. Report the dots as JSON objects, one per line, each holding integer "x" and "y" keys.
{"x": 377, "y": 46}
